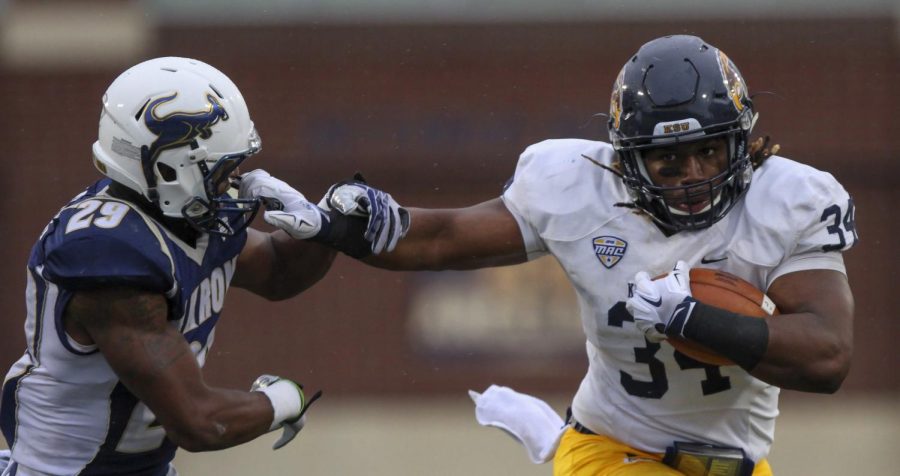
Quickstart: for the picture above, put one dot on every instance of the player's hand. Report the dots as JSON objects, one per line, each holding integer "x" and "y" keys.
{"x": 662, "y": 307}
{"x": 286, "y": 208}
{"x": 388, "y": 222}
{"x": 289, "y": 404}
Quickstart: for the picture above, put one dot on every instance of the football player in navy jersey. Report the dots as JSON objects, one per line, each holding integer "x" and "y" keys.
{"x": 126, "y": 283}
{"x": 680, "y": 184}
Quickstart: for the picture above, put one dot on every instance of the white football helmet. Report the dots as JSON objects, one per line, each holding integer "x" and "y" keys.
{"x": 173, "y": 129}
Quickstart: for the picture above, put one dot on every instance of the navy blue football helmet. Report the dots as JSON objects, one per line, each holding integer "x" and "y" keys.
{"x": 679, "y": 89}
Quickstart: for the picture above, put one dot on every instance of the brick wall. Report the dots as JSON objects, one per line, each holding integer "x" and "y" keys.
{"x": 437, "y": 114}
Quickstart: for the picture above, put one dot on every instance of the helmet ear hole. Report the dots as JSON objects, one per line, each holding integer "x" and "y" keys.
{"x": 167, "y": 173}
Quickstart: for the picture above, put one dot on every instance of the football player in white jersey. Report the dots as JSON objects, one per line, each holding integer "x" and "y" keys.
{"x": 681, "y": 184}
{"x": 126, "y": 284}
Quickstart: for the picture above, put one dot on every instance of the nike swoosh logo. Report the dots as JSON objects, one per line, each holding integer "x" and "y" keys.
{"x": 680, "y": 316}
{"x": 679, "y": 312}
{"x": 656, "y": 303}
{"x": 712, "y": 260}
{"x": 678, "y": 319}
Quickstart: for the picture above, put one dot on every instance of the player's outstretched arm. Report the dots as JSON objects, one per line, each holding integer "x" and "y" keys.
{"x": 282, "y": 264}
{"x": 811, "y": 342}
{"x": 277, "y": 266}
{"x": 479, "y": 236}
{"x": 153, "y": 360}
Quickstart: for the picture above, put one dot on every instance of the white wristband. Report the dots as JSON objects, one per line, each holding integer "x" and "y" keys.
{"x": 286, "y": 401}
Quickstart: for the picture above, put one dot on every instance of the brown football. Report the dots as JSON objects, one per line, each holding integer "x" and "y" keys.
{"x": 725, "y": 291}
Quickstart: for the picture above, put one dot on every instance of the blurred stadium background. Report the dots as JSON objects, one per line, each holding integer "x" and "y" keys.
{"x": 433, "y": 101}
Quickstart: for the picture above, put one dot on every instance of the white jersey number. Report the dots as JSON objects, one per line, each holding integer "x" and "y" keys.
{"x": 111, "y": 214}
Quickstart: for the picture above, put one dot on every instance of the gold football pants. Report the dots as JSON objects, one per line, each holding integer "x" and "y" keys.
{"x": 597, "y": 455}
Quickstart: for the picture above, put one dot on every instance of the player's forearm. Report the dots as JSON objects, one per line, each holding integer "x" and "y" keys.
{"x": 296, "y": 266}
{"x": 425, "y": 246}
{"x": 221, "y": 419}
{"x": 811, "y": 341}
{"x": 805, "y": 355}
{"x": 481, "y": 236}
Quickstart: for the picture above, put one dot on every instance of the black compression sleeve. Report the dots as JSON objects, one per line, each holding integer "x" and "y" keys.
{"x": 345, "y": 234}
{"x": 743, "y": 339}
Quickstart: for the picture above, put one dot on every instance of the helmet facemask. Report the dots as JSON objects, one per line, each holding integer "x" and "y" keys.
{"x": 187, "y": 183}
{"x": 720, "y": 192}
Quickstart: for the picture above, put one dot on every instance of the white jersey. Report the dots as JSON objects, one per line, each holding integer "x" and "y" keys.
{"x": 643, "y": 394}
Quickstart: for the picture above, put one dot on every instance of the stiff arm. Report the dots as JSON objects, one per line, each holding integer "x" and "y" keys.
{"x": 483, "y": 235}
{"x": 276, "y": 266}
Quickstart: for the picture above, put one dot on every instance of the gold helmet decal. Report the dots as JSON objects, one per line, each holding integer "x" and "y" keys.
{"x": 615, "y": 102}
{"x": 734, "y": 82}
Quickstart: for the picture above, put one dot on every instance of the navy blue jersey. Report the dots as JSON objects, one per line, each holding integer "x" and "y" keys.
{"x": 63, "y": 409}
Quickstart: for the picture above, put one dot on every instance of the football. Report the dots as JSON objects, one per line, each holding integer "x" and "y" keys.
{"x": 725, "y": 291}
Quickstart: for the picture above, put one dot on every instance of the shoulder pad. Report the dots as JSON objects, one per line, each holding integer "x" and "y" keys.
{"x": 805, "y": 204}
{"x": 561, "y": 192}
{"x": 101, "y": 242}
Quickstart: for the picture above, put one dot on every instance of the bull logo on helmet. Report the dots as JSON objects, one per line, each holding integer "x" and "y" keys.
{"x": 179, "y": 128}
{"x": 737, "y": 88}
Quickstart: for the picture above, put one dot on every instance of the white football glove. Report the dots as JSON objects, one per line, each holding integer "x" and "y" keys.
{"x": 286, "y": 208}
{"x": 662, "y": 307}
{"x": 289, "y": 405}
{"x": 388, "y": 221}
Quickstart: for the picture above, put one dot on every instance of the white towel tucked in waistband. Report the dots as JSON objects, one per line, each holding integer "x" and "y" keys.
{"x": 526, "y": 418}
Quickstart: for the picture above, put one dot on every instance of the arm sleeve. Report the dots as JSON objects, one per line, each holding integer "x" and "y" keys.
{"x": 534, "y": 244}
{"x": 516, "y": 198}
